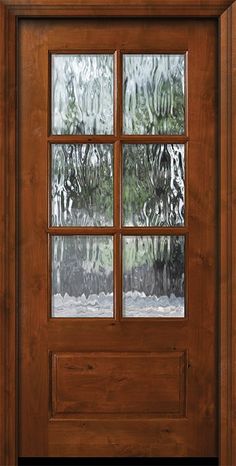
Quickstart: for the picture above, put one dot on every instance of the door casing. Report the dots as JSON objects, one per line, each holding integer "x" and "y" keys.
{"x": 11, "y": 11}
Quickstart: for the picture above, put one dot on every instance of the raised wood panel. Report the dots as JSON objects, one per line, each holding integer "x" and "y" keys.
{"x": 119, "y": 383}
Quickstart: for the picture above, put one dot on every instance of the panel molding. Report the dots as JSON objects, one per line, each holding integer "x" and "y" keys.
{"x": 227, "y": 323}
{"x": 72, "y": 373}
{"x": 10, "y": 13}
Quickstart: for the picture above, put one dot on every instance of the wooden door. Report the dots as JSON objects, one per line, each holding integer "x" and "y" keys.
{"x": 117, "y": 237}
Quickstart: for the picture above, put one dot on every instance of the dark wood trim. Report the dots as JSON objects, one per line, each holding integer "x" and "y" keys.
{"x": 3, "y": 332}
{"x": 233, "y": 256}
{"x": 127, "y": 139}
{"x": 227, "y": 354}
{"x": 10, "y": 12}
{"x": 11, "y": 402}
{"x": 178, "y": 231}
{"x": 134, "y": 8}
{"x": 225, "y": 442}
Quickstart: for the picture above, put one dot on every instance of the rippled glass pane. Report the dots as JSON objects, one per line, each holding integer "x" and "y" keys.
{"x": 82, "y": 185}
{"x": 82, "y": 94}
{"x": 153, "y": 184}
{"x": 82, "y": 276}
{"x": 153, "y": 276}
{"x": 153, "y": 94}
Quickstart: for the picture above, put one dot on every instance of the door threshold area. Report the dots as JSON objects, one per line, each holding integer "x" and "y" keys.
{"x": 118, "y": 461}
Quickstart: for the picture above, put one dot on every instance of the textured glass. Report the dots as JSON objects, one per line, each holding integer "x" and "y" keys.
{"x": 82, "y": 94}
{"x": 82, "y": 185}
{"x": 153, "y": 94}
{"x": 82, "y": 276}
{"x": 153, "y": 184}
{"x": 153, "y": 276}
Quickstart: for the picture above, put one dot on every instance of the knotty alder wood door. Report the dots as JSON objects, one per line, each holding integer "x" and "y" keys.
{"x": 117, "y": 237}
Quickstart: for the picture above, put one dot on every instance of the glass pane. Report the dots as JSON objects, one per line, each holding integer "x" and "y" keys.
{"x": 153, "y": 276}
{"x": 82, "y": 185}
{"x": 82, "y": 276}
{"x": 153, "y": 184}
{"x": 153, "y": 94}
{"x": 82, "y": 94}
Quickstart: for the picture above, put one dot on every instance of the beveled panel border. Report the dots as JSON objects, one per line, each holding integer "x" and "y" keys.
{"x": 181, "y": 357}
{"x": 10, "y": 13}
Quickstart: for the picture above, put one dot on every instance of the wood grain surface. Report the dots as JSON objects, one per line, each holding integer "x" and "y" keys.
{"x": 196, "y": 335}
{"x": 11, "y": 10}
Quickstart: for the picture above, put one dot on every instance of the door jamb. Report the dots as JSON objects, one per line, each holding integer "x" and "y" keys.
{"x": 10, "y": 13}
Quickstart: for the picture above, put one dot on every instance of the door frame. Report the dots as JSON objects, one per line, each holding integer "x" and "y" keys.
{"x": 11, "y": 11}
